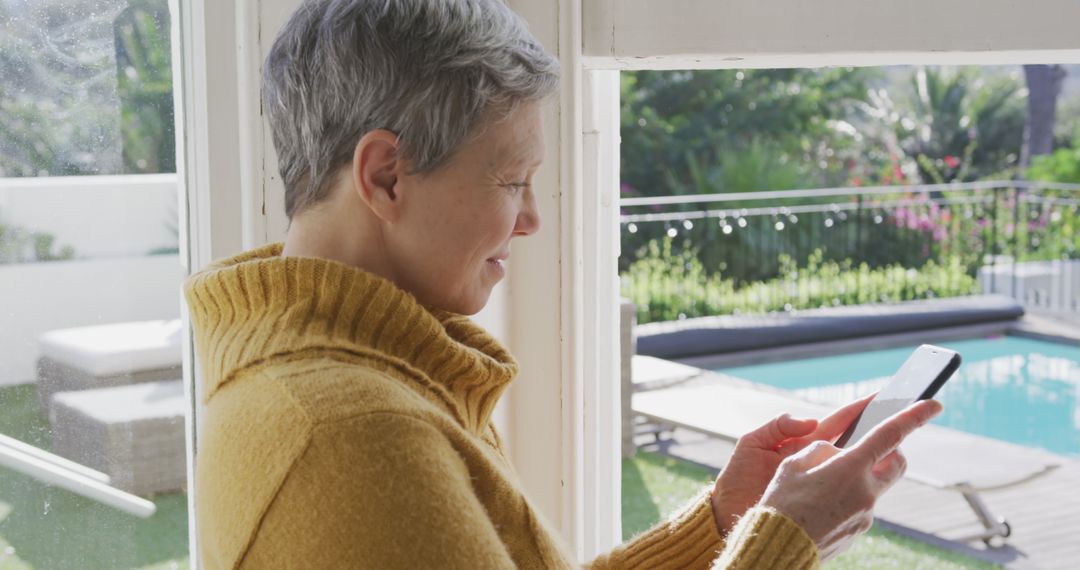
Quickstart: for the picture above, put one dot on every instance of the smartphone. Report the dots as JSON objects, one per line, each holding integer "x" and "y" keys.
{"x": 920, "y": 377}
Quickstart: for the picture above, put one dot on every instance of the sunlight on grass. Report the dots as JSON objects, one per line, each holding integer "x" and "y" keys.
{"x": 882, "y": 550}
{"x": 48, "y": 528}
{"x": 8, "y": 559}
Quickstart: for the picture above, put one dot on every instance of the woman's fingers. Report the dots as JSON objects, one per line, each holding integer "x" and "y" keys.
{"x": 889, "y": 470}
{"x": 815, "y": 454}
{"x": 887, "y": 436}
{"x": 831, "y": 492}
{"x": 829, "y": 428}
{"x": 778, "y": 430}
{"x": 834, "y": 425}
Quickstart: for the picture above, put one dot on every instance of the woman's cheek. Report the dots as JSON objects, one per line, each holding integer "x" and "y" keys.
{"x": 508, "y": 217}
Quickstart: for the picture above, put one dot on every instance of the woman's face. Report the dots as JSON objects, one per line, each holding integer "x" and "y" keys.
{"x": 451, "y": 243}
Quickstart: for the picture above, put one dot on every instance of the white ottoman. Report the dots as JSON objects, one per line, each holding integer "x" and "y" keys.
{"x": 97, "y": 356}
{"x": 134, "y": 434}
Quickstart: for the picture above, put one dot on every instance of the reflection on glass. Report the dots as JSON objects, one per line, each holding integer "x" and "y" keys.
{"x": 87, "y": 88}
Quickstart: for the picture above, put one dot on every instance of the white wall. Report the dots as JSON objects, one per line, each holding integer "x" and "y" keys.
{"x": 494, "y": 319}
{"x": 38, "y": 297}
{"x": 100, "y": 216}
{"x": 1049, "y": 285}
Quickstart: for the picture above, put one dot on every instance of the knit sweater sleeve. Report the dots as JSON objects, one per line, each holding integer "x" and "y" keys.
{"x": 383, "y": 490}
{"x": 763, "y": 539}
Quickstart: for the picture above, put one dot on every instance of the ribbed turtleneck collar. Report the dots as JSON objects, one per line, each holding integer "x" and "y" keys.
{"x": 258, "y": 305}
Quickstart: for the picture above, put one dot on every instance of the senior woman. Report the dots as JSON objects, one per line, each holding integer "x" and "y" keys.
{"x": 348, "y": 397}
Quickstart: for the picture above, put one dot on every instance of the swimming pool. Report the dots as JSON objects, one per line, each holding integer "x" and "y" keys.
{"x": 1017, "y": 389}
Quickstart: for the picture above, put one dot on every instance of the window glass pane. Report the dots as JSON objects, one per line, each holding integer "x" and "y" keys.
{"x": 759, "y": 207}
{"x": 87, "y": 88}
{"x": 91, "y": 399}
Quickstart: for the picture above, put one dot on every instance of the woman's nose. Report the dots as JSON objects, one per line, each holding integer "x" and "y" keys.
{"x": 528, "y": 220}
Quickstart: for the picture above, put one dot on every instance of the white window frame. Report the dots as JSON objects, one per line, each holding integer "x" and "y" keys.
{"x": 559, "y": 313}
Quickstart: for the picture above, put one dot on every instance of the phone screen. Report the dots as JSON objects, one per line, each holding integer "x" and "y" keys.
{"x": 918, "y": 378}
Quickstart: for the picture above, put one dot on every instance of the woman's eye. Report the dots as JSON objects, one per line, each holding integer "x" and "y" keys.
{"x": 518, "y": 185}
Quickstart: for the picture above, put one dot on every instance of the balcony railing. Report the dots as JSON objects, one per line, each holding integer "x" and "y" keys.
{"x": 861, "y": 244}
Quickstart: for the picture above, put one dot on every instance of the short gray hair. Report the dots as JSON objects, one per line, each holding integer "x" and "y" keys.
{"x": 427, "y": 70}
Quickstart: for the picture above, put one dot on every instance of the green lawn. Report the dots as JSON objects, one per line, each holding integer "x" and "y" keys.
{"x": 44, "y": 527}
{"x": 654, "y": 485}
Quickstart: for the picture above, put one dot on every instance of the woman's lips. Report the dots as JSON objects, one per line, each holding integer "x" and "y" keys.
{"x": 497, "y": 266}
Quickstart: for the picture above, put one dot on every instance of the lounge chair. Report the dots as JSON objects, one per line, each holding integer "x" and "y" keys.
{"x": 134, "y": 434}
{"x": 939, "y": 457}
{"x": 651, "y": 373}
{"x": 98, "y": 356}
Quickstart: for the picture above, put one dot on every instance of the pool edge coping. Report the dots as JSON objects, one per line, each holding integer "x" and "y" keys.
{"x": 1025, "y": 327}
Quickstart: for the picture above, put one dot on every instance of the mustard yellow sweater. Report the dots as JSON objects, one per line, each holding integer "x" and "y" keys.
{"x": 347, "y": 426}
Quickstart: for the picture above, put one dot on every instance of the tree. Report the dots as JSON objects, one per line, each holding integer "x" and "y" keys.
{"x": 676, "y": 121}
{"x": 697, "y": 132}
{"x": 144, "y": 83}
{"x": 1044, "y": 87}
{"x": 951, "y": 124}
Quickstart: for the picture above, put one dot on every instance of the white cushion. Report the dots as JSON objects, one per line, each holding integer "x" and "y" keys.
{"x": 130, "y": 403}
{"x": 117, "y": 348}
{"x": 648, "y": 372}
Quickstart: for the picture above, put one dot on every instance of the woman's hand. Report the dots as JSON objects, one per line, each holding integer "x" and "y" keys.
{"x": 831, "y": 492}
{"x": 758, "y": 454}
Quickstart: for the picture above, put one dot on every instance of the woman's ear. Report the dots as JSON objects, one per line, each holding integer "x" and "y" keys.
{"x": 376, "y": 166}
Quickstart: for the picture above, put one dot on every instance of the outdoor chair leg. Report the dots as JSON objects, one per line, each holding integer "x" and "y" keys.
{"x": 644, "y": 426}
{"x": 994, "y": 526}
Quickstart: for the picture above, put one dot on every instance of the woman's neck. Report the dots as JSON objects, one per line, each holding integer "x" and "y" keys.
{"x": 326, "y": 234}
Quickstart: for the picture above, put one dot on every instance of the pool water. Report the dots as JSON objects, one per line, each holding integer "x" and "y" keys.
{"x": 1020, "y": 390}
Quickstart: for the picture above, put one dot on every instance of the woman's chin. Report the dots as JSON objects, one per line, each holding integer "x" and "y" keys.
{"x": 477, "y": 304}
{"x": 468, "y": 305}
